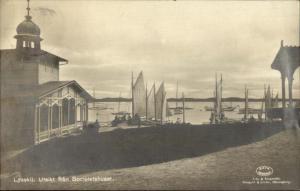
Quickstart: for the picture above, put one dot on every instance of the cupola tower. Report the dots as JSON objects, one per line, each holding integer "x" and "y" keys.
{"x": 28, "y": 34}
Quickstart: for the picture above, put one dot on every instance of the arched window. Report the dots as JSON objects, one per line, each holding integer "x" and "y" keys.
{"x": 44, "y": 109}
{"x": 65, "y": 111}
{"x": 83, "y": 112}
{"x": 79, "y": 112}
{"x": 72, "y": 111}
{"x": 55, "y": 116}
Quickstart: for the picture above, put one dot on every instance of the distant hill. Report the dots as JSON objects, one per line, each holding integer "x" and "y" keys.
{"x": 111, "y": 99}
{"x": 228, "y": 99}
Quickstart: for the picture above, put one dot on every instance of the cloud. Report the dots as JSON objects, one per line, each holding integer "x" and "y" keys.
{"x": 170, "y": 41}
{"x": 45, "y": 11}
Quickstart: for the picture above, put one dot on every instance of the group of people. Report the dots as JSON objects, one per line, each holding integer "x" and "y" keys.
{"x": 136, "y": 120}
{"x": 91, "y": 127}
{"x": 214, "y": 119}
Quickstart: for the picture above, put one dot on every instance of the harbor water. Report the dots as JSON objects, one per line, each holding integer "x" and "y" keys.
{"x": 195, "y": 115}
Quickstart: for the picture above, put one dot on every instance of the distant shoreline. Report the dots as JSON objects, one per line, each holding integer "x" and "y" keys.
{"x": 229, "y": 99}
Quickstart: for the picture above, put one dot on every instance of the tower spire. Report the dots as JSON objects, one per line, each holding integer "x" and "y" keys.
{"x": 28, "y": 17}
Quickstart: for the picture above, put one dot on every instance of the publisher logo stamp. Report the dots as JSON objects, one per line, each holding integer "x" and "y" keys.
{"x": 264, "y": 171}
{"x": 265, "y": 177}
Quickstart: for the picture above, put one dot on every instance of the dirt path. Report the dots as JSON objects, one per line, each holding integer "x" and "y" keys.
{"x": 220, "y": 170}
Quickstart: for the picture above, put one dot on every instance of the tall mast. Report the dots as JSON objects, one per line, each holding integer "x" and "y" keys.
{"x": 154, "y": 101}
{"x": 132, "y": 96}
{"x": 268, "y": 103}
{"x": 272, "y": 99}
{"x": 97, "y": 114}
{"x": 162, "y": 103}
{"x": 176, "y": 93}
{"x": 183, "y": 109}
{"x": 221, "y": 92}
{"x": 246, "y": 103}
{"x": 146, "y": 102}
{"x": 216, "y": 98}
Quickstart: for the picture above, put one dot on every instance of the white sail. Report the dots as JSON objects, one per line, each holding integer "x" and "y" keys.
{"x": 139, "y": 96}
{"x": 268, "y": 99}
{"x": 160, "y": 103}
{"x": 151, "y": 103}
{"x": 268, "y": 102}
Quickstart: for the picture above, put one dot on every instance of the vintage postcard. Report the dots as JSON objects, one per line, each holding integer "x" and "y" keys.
{"x": 150, "y": 95}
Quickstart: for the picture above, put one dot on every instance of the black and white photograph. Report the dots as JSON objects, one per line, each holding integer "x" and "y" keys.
{"x": 150, "y": 94}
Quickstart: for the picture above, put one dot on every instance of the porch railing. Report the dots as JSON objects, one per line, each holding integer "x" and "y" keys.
{"x": 46, "y": 135}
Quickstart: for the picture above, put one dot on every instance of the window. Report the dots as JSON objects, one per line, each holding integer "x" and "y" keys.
{"x": 32, "y": 44}
{"x": 24, "y": 44}
{"x": 78, "y": 112}
{"x": 55, "y": 116}
{"x": 65, "y": 111}
{"x": 44, "y": 118}
{"x": 72, "y": 111}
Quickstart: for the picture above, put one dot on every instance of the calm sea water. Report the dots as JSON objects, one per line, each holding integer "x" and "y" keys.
{"x": 197, "y": 115}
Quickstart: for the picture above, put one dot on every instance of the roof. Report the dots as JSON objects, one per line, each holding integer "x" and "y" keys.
{"x": 36, "y": 53}
{"x": 51, "y": 86}
{"x": 287, "y": 59}
{"x": 43, "y": 52}
{"x": 28, "y": 27}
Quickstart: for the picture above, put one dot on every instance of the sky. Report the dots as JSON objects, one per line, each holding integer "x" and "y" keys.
{"x": 170, "y": 41}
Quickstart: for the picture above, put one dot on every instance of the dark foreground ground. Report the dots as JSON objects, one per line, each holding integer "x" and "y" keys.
{"x": 163, "y": 158}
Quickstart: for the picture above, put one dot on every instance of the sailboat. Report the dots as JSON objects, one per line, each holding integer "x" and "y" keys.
{"x": 149, "y": 108}
{"x": 271, "y": 105}
{"x": 160, "y": 103}
{"x": 217, "y": 115}
{"x": 150, "y": 104}
{"x": 229, "y": 108}
{"x": 138, "y": 96}
{"x": 247, "y": 110}
{"x": 138, "y": 103}
{"x": 177, "y": 110}
{"x": 268, "y": 102}
{"x": 246, "y": 104}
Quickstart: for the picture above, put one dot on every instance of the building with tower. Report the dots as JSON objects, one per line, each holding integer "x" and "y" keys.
{"x": 35, "y": 105}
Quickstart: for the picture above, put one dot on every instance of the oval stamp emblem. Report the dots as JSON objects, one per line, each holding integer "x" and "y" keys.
{"x": 264, "y": 171}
